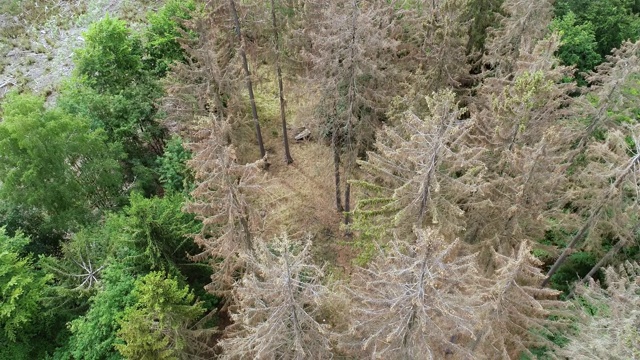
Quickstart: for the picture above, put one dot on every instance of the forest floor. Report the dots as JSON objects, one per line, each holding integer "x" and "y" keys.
{"x": 299, "y": 198}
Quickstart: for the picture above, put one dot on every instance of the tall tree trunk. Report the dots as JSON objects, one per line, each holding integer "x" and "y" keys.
{"x": 591, "y": 220}
{"x": 347, "y": 203}
{"x": 287, "y": 155}
{"x": 597, "y": 266}
{"x": 351, "y": 98}
{"x": 247, "y": 74}
{"x": 336, "y": 165}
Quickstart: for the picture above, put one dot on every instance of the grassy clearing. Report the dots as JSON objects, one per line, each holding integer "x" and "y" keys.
{"x": 298, "y": 198}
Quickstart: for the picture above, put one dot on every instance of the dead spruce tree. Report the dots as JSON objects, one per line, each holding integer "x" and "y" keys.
{"x": 613, "y": 331}
{"x": 522, "y": 125}
{"x": 221, "y": 200}
{"x": 481, "y": 14}
{"x": 611, "y": 253}
{"x": 432, "y": 49}
{"x": 420, "y": 171}
{"x": 351, "y": 68}
{"x": 518, "y": 31}
{"x": 415, "y": 301}
{"x": 276, "y": 303}
{"x": 606, "y": 166}
{"x": 608, "y": 213}
{"x": 610, "y": 84}
{"x": 207, "y": 82}
{"x": 514, "y": 317}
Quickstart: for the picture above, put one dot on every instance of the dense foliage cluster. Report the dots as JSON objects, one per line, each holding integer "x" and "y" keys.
{"x": 483, "y": 158}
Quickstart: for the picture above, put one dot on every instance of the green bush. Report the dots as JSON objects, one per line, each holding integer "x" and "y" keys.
{"x": 165, "y": 27}
{"x": 579, "y": 46}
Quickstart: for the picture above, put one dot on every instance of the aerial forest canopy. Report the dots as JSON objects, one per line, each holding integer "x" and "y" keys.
{"x": 281, "y": 179}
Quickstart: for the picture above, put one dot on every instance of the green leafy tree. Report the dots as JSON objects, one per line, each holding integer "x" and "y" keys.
{"x": 29, "y": 329}
{"x": 158, "y": 325}
{"x": 614, "y": 21}
{"x": 80, "y": 261}
{"x": 149, "y": 234}
{"x": 158, "y": 228}
{"x": 579, "y": 46}
{"x": 113, "y": 89}
{"x": 128, "y": 117}
{"x": 166, "y": 26}
{"x": 111, "y": 58}
{"x": 33, "y": 223}
{"x": 53, "y": 161}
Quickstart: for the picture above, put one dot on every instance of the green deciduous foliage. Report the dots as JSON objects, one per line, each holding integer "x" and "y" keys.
{"x": 112, "y": 56}
{"x": 579, "y": 46}
{"x": 157, "y": 326}
{"x": 165, "y": 27}
{"x": 53, "y": 161}
{"x": 128, "y": 118}
{"x": 126, "y": 115}
{"x": 113, "y": 89}
{"x": 614, "y": 21}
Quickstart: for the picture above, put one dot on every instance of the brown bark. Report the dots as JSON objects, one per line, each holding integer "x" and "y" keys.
{"x": 597, "y": 266}
{"x": 336, "y": 166}
{"x": 347, "y": 201}
{"x": 247, "y": 74}
{"x": 351, "y": 98}
{"x": 287, "y": 154}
